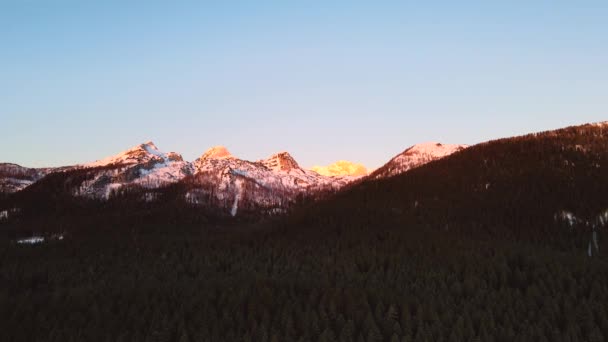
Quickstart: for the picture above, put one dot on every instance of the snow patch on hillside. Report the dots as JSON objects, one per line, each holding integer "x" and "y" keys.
{"x": 164, "y": 173}
{"x": 416, "y": 156}
{"x": 239, "y": 192}
{"x": 38, "y": 239}
{"x": 31, "y": 240}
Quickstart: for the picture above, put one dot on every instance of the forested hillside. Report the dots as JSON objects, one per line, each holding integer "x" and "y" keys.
{"x": 191, "y": 284}
{"x": 515, "y": 188}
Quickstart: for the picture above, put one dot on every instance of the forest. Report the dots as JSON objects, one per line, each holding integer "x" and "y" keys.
{"x": 473, "y": 247}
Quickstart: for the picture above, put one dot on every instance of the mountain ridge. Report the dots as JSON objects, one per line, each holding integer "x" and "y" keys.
{"x": 217, "y": 178}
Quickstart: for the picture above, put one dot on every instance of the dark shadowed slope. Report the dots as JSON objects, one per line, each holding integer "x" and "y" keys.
{"x": 522, "y": 187}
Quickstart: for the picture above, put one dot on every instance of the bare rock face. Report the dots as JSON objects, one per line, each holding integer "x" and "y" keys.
{"x": 173, "y": 156}
{"x": 281, "y": 161}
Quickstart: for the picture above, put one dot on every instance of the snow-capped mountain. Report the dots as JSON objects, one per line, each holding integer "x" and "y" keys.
{"x": 271, "y": 183}
{"x": 141, "y": 154}
{"x": 341, "y": 168}
{"x": 414, "y": 157}
{"x": 217, "y": 179}
{"x": 143, "y": 165}
{"x": 279, "y": 171}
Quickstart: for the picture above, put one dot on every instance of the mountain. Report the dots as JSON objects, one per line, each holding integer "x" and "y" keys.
{"x": 276, "y": 179}
{"x": 217, "y": 179}
{"x": 341, "y": 168}
{"x": 140, "y": 154}
{"x": 529, "y": 187}
{"x": 271, "y": 184}
{"x": 414, "y": 157}
{"x": 142, "y": 165}
{"x": 15, "y": 178}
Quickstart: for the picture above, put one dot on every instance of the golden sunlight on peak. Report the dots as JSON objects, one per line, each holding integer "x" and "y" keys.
{"x": 341, "y": 168}
{"x": 216, "y": 152}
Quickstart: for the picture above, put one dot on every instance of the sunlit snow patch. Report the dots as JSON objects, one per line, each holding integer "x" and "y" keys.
{"x": 34, "y": 240}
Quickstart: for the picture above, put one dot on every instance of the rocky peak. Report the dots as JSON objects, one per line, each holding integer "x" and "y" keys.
{"x": 281, "y": 161}
{"x": 142, "y": 153}
{"x": 149, "y": 145}
{"x": 174, "y": 156}
{"x": 216, "y": 152}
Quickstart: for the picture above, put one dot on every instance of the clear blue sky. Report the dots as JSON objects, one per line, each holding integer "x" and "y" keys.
{"x": 325, "y": 80}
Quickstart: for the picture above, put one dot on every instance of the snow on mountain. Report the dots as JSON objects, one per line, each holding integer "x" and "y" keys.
{"x": 600, "y": 124}
{"x": 15, "y": 178}
{"x": 271, "y": 182}
{"x": 143, "y": 165}
{"x": 278, "y": 171}
{"x": 143, "y": 153}
{"x": 218, "y": 178}
{"x": 341, "y": 168}
{"x": 414, "y": 157}
{"x": 291, "y": 175}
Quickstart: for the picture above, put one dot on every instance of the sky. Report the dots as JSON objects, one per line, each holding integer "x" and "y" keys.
{"x": 324, "y": 80}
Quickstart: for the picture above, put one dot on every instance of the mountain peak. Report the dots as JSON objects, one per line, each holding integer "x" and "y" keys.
{"x": 216, "y": 152}
{"x": 281, "y": 161}
{"x": 341, "y": 168}
{"x": 415, "y": 156}
{"x": 434, "y": 149}
{"x": 149, "y": 145}
{"x": 136, "y": 154}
